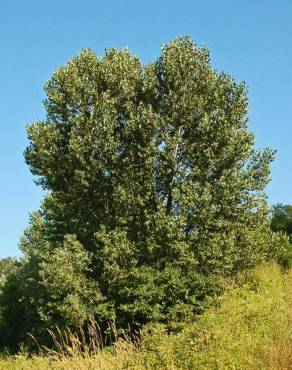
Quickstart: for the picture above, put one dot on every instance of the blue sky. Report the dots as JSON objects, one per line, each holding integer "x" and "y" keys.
{"x": 251, "y": 39}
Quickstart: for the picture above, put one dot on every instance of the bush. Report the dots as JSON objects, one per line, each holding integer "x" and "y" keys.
{"x": 249, "y": 329}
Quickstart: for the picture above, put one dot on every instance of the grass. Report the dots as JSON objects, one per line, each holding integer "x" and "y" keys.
{"x": 251, "y": 328}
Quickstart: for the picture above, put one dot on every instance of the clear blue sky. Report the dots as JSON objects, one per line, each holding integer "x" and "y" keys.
{"x": 250, "y": 39}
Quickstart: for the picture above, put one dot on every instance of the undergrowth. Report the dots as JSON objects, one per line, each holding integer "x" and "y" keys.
{"x": 250, "y": 328}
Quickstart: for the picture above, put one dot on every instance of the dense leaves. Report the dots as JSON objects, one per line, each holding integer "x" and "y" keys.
{"x": 154, "y": 190}
{"x": 282, "y": 222}
{"x": 6, "y": 265}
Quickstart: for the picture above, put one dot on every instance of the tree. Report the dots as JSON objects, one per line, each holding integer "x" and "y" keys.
{"x": 282, "y": 218}
{"x": 281, "y": 221}
{"x": 6, "y": 265}
{"x": 151, "y": 173}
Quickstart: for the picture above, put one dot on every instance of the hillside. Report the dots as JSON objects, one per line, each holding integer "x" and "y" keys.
{"x": 250, "y": 327}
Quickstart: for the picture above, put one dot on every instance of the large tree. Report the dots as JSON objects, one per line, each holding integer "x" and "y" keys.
{"x": 153, "y": 188}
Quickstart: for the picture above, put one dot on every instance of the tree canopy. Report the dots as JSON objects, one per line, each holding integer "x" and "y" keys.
{"x": 282, "y": 219}
{"x": 153, "y": 191}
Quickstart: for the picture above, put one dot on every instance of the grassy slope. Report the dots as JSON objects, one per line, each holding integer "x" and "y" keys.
{"x": 252, "y": 329}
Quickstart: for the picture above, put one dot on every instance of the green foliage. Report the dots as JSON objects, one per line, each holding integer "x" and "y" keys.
{"x": 285, "y": 256}
{"x": 6, "y": 265}
{"x": 249, "y": 329}
{"x": 17, "y": 309}
{"x": 154, "y": 191}
{"x": 282, "y": 219}
{"x": 282, "y": 222}
{"x": 73, "y": 296}
{"x": 48, "y": 289}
